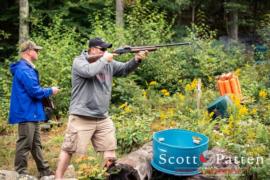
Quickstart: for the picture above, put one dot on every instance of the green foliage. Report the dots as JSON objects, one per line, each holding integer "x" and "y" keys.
{"x": 125, "y": 90}
{"x": 263, "y": 172}
{"x": 174, "y": 5}
{"x": 264, "y": 30}
{"x": 144, "y": 25}
{"x": 235, "y": 6}
{"x": 133, "y": 130}
{"x": 204, "y": 59}
{"x": 60, "y": 45}
{"x": 89, "y": 168}
{"x": 4, "y": 35}
{"x": 5, "y": 86}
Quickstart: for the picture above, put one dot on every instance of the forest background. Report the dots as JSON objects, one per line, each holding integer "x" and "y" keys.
{"x": 226, "y": 36}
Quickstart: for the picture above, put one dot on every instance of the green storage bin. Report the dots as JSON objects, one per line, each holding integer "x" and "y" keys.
{"x": 220, "y": 106}
{"x": 260, "y": 53}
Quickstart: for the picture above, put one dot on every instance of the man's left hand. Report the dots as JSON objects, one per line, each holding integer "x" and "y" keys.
{"x": 141, "y": 55}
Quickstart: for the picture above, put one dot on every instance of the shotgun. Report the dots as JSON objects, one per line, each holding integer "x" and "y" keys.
{"x": 135, "y": 49}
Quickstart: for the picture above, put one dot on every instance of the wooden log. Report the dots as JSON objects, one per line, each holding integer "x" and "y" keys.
{"x": 134, "y": 166}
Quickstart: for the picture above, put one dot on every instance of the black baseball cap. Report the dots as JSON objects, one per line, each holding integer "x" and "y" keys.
{"x": 99, "y": 43}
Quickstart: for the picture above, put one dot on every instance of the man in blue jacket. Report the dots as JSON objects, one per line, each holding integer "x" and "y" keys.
{"x": 26, "y": 109}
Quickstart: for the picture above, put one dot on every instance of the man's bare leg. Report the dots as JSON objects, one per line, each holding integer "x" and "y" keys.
{"x": 109, "y": 158}
{"x": 63, "y": 162}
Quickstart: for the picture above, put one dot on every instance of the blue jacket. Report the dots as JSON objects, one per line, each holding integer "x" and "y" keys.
{"x": 26, "y": 94}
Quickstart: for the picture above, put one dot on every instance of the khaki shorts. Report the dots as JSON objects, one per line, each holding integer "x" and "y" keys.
{"x": 83, "y": 130}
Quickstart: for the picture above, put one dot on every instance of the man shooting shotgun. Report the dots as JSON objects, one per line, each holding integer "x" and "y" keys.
{"x": 136, "y": 49}
{"x": 92, "y": 77}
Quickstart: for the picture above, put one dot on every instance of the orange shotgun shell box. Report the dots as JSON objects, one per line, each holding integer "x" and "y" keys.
{"x": 229, "y": 84}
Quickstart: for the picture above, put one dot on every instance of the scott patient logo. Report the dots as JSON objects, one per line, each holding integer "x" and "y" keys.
{"x": 205, "y": 157}
{"x": 165, "y": 159}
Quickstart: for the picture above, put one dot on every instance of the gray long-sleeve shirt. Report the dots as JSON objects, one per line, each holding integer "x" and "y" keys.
{"x": 92, "y": 84}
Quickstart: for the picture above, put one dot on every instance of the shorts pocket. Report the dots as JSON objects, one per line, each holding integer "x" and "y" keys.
{"x": 70, "y": 140}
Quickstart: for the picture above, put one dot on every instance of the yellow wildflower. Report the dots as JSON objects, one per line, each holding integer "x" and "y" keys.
{"x": 188, "y": 88}
{"x": 144, "y": 94}
{"x": 123, "y": 105}
{"x": 171, "y": 112}
{"x": 251, "y": 135}
{"x": 203, "y": 121}
{"x": 153, "y": 83}
{"x": 257, "y": 150}
{"x": 127, "y": 109}
{"x": 162, "y": 115}
{"x": 83, "y": 166}
{"x": 181, "y": 97}
{"x": 237, "y": 72}
{"x": 192, "y": 85}
{"x": 236, "y": 100}
{"x": 263, "y": 94}
{"x": 253, "y": 111}
{"x": 172, "y": 123}
{"x": 165, "y": 92}
{"x": 226, "y": 131}
{"x": 243, "y": 111}
{"x": 211, "y": 114}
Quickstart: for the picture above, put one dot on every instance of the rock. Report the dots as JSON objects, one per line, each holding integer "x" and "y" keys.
{"x": 226, "y": 161}
{"x": 48, "y": 177}
{"x": 70, "y": 173}
{"x": 45, "y": 127}
{"x": 13, "y": 175}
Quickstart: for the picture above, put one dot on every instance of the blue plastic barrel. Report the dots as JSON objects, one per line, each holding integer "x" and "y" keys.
{"x": 175, "y": 151}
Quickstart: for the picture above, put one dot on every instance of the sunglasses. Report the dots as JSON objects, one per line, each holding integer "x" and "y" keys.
{"x": 36, "y": 50}
{"x": 102, "y": 49}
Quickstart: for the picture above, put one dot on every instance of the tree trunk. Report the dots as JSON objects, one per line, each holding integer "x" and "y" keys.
{"x": 255, "y": 15}
{"x": 120, "y": 13}
{"x": 233, "y": 25}
{"x": 193, "y": 13}
{"x": 24, "y": 15}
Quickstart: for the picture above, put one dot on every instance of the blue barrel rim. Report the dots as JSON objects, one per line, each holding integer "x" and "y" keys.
{"x": 172, "y": 146}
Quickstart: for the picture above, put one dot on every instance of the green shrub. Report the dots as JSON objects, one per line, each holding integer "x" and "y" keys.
{"x": 144, "y": 26}
{"x": 5, "y": 87}
{"x": 60, "y": 45}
